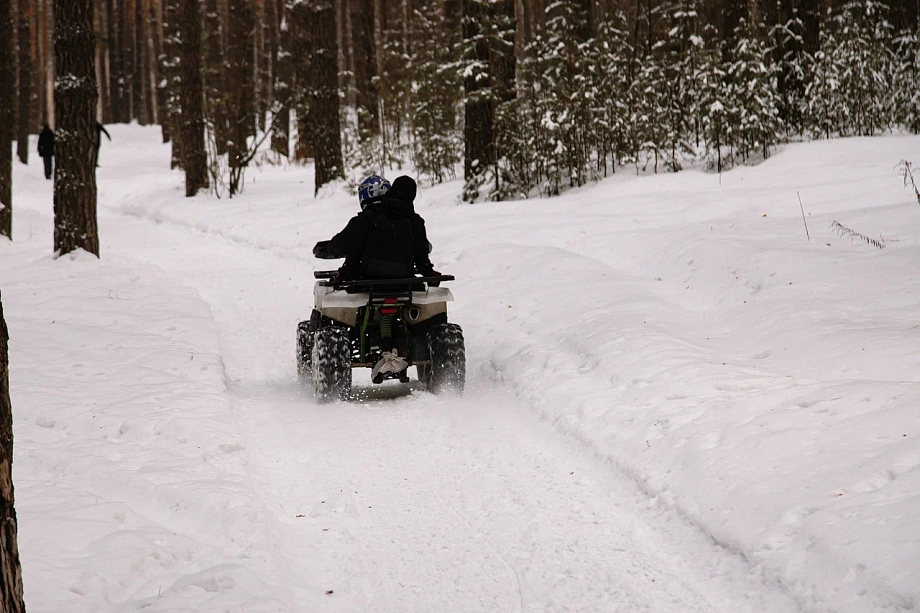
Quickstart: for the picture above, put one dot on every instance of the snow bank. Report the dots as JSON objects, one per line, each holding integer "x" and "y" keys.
{"x": 130, "y": 473}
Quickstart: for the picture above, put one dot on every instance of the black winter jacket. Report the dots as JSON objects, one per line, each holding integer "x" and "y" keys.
{"x": 350, "y": 242}
{"x": 46, "y": 143}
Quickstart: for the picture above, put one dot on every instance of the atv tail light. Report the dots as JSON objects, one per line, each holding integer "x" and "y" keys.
{"x": 390, "y": 311}
{"x": 390, "y": 300}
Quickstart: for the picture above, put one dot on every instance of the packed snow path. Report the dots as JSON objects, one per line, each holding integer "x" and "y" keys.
{"x": 658, "y": 417}
{"x": 410, "y": 502}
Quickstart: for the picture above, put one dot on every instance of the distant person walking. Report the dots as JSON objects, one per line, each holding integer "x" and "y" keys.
{"x": 100, "y": 130}
{"x": 46, "y": 150}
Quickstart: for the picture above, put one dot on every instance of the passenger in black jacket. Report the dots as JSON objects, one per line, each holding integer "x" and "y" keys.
{"x": 46, "y": 149}
{"x": 387, "y": 239}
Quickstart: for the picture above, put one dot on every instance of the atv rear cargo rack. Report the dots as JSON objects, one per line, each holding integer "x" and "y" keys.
{"x": 374, "y": 283}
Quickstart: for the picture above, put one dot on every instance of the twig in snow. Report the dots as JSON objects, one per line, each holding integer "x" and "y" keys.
{"x": 803, "y": 216}
{"x": 842, "y": 230}
{"x": 907, "y": 173}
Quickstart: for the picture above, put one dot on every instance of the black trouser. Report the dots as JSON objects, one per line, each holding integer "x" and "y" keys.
{"x": 49, "y": 166}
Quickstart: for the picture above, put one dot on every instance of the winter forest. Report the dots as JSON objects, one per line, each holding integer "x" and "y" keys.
{"x": 681, "y": 238}
{"x": 523, "y": 97}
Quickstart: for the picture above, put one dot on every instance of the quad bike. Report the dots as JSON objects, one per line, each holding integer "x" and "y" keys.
{"x": 352, "y": 318}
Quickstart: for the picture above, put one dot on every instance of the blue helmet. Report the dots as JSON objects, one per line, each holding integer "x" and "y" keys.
{"x": 372, "y": 187}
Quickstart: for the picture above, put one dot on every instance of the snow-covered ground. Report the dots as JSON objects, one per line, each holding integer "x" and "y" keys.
{"x": 676, "y": 401}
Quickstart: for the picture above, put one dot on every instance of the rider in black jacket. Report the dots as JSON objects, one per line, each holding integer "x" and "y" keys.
{"x": 386, "y": 240}
{"x": 352, "y": 243}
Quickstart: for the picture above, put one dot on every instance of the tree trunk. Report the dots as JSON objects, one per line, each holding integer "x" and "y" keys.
{"x": 733, "y": 12}
{"x": 272, "y": 20}
{"x": 811, "y": 13}
{"x": 477, "y": 122}
{"x": 141, "y": 109}
{"x": 46, "y": 20}
{"x": 281, "y": 127}
{"x": 35, "y": 117}
{"x": 7, "y": 120}
{"x": 347, "y": 53}
{"x": 150, "y": 62}
{"x": 10, "y": 570}
{"x": 503, "y": 64}
{"x": 324, "y": 98}
{"x": 170, "y": 65}
{"x": 195, "y": 160}
{"x": 25, "y": 80}
{"x": 240, "y": 89}
{"x": 116, "y": 71}
{"x": 75, "y": 98}
{"x": 214, "y": 77}
{"x": 453, "y": 14}
{"x": 268, "y": 48}
{"x": 302, "y": 52}
{"x": 365, "y": 64}
{"x": 102, "y": 60}
{"x": 159, "y": 75}
{"x": 130, "y": 108}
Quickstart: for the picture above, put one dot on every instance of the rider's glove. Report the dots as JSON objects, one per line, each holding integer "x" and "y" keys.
{"x": 434, "y": 273}
{"x": 321, "y": 250}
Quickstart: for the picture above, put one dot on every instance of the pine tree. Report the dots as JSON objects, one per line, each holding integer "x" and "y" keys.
{"x": 240, "y": 90}
{"x": 153, "y": 74}
{"x": 170, "y": 62}
{"x": 752, "y": 93}
{"x": 849, "y": 83}
{"x": 866, "y": 53}
{"x": 791, "y": 61}
{"x": 269, "y": 58}
{"x": 215, "y": 81}
{"x": 26, "y": 91}
{"x": 824, "y": 107}
{"x": 75, "y": 98}
{"x": 156, "y": 31}
{"x": 685, "y": 53}
{"x": 488, "y": 69}
{"x": 436, "y": 141}
{"x": 323, "y": 94}
{"x": 715, "y": 121}
{"x": 614, "y": 97}
{"x": 907, "y": 81}
{"x": 7, "y": 120}
{"x": 566, "y": 31}
{"x": 10, "y": 568}
{"x": 314, "y": 51}
{"x": 140, "y": 78}
{"x": 118, "y": 96}
{"x": 195, "y": 159}
{"x": 364, "y": 57}
{"x": 396, "y": 76}
{"x": 479, "y": 153}
{"x": 284, "y": 92}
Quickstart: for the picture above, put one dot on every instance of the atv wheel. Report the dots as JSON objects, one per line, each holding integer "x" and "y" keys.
{"x": 424, "y": 373}
{"x": 447, "y": 372}
{"x": 304, "y": 350}
{"x": 331, "y": 364}
{"x": 305, "y": 332}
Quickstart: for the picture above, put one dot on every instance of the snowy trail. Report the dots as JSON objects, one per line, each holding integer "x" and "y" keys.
{"x": 676, "y": 402}
{"x": 420, "y": 503}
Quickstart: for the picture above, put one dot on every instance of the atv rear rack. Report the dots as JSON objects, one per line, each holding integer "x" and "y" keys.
{"x": 374, "y": 283}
